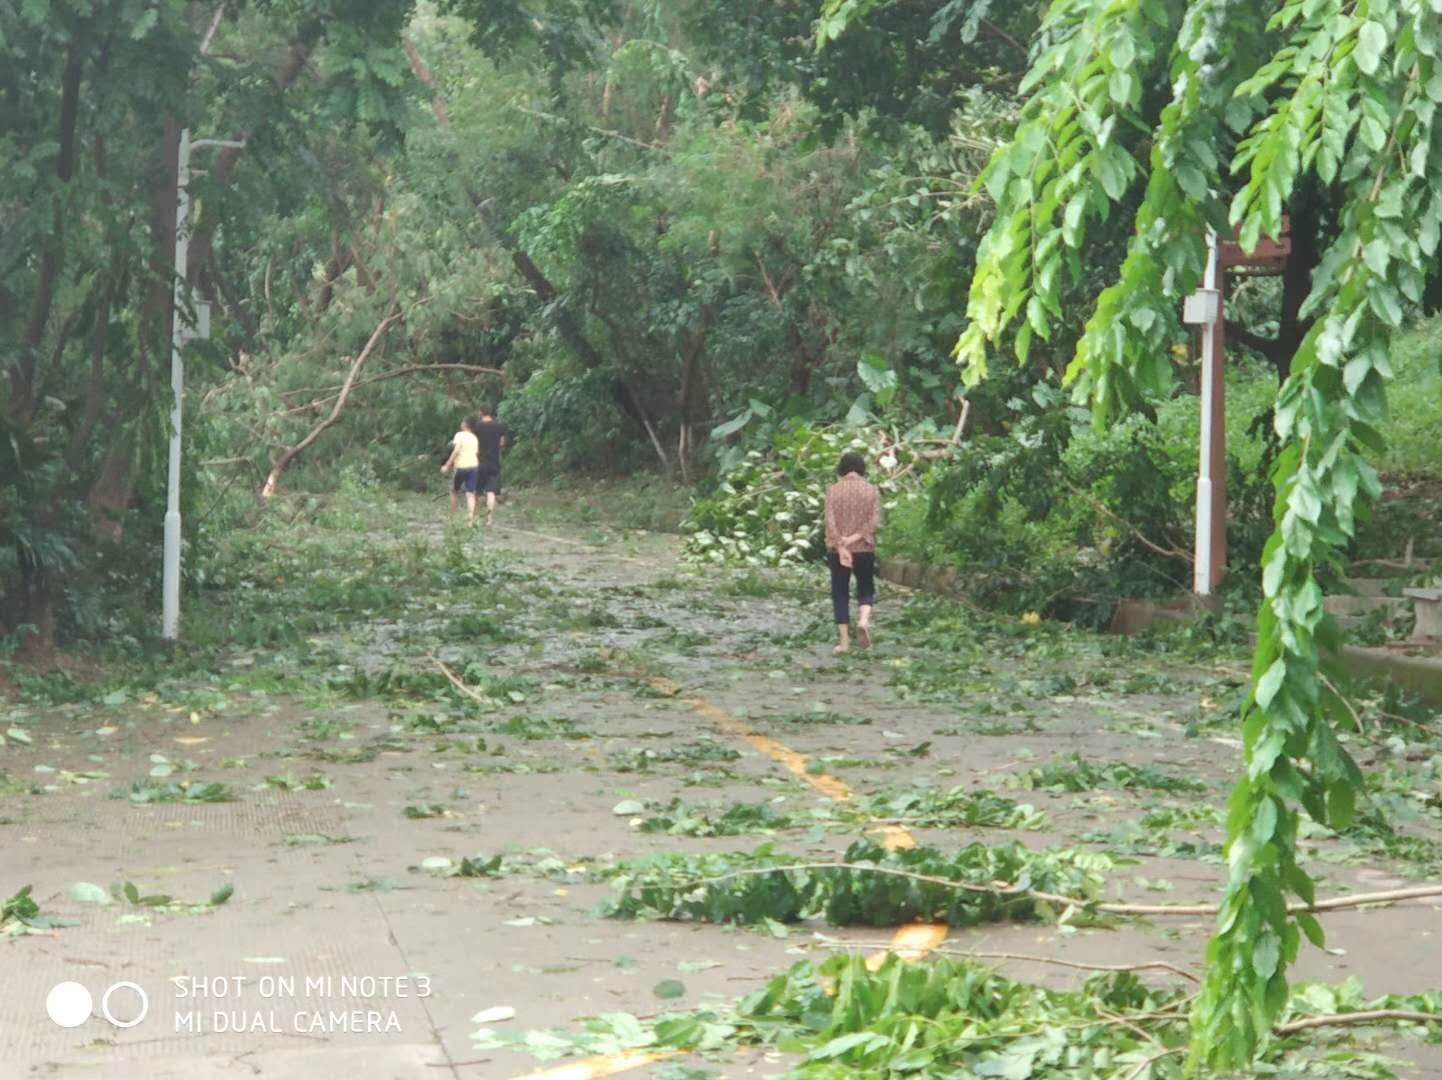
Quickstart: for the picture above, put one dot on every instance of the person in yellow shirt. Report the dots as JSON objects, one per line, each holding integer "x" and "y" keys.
{"x": 466, "y": 460}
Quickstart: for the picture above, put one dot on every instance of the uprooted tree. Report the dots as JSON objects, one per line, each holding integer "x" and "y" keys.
{"x": 1222, "y": 115}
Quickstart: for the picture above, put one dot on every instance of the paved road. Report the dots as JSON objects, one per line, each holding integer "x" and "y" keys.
{"x": 341, "y": 954}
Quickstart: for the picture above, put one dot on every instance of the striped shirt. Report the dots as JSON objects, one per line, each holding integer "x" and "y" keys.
{"x": 853, "y": 508}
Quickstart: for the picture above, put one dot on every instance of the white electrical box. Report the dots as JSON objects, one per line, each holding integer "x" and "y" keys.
{"x": 1202, "y": 307}
{"x": 201, "y": 328}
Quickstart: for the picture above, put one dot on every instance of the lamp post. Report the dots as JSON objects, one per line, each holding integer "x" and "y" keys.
{"x": 181, "y": 331}
{"x": 1204, "y": 308}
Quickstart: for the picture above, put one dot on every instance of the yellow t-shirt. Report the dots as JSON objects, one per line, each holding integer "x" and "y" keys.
{"x": 468, "y": 450}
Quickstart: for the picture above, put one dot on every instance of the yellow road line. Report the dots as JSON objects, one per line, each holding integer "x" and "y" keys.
{"x": 894, "y": 837}
{"x": 831, "y": 786}
{"x": 910, "y": 942}
{"x": 594, "y": 1068}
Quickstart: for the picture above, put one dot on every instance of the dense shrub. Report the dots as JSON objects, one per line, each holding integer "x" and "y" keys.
{"x": 767, "y": 507}
{"x": 1055, "y": 516}
{"x": 569, "y": 422}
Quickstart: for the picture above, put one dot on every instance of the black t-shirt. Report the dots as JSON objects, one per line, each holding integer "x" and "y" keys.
{"x": 489, "y": 434}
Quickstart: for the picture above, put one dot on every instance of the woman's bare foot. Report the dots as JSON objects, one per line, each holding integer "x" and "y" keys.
{"x": 837, "y": 650}
{"x": 863, "y": 636}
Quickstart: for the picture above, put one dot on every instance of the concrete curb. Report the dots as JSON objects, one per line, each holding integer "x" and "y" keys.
{"x": 1420, "y": 675}
{"x": 915, "y": 575}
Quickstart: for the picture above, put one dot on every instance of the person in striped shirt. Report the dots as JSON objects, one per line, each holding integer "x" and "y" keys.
{"x": 853, "y": 516}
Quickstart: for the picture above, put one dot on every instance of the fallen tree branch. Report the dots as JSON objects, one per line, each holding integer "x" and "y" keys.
{"x": 1371, "y": 1016}
{"x": 409, "y": 369}
{"x": 1149, "y": 965}
{"x": 605, "y": 132}
{"x": 1339, "y": 903}
{"x": 332, "y": 391}
{"x": 272, "y": 482}
{"x": 1144, "y": 1066}
{"x": 1356, "y": 717}
{"x": 961, "y": 421}
{"x": 1390, "y": 896}
{"x": 455, "y": 680}
{"x": 1140, "y": 537}
{"x": 1390, "y": 564}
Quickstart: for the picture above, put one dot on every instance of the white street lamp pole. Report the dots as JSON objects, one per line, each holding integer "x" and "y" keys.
{"x": 1211, "y": 537}
{"x": 180, "y": 332}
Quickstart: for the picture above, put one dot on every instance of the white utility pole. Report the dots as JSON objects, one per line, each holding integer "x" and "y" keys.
{"x": 181, "y": 331}
{"x": 1204, "y": 307}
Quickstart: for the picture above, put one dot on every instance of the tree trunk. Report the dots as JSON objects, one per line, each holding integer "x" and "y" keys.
{"x": 36, "y": 608}
{"x": 802, "y": 361}
{"x": 109, "y": 495}
{"x": 1297, "y": 277}
{"x": 23, "y": 374}
{"x": 690, "y": 392}
{"x": 335, "y": 266}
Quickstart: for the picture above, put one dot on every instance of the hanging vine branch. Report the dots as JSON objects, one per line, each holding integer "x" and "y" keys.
{"x": 1262, "y": 97}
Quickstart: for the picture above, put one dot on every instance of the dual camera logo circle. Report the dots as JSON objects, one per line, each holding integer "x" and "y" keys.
{"x": 69, "y": 1004}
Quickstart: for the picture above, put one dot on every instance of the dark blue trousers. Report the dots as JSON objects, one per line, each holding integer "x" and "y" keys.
{"x": 863, "y": 565}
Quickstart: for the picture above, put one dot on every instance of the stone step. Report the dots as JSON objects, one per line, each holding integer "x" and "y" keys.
{"x": 1362, "y": 606}
{"x": 1373, "y": 586}
{"x": 1427, "y": 602}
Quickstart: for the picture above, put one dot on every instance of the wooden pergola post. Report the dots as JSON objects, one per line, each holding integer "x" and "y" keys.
{"x": 1207, "y": 308}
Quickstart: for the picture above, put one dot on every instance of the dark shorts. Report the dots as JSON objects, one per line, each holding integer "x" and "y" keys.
{"x": 489, "y": 480}
{"x": 465, "y": 480}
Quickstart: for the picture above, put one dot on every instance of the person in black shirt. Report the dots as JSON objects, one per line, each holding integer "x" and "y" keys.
{"x": 493, "y": 437}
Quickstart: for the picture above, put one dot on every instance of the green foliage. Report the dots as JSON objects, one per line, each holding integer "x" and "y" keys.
{"x": 741, "y": 888}
{"x": 19, "y": 911}
{"x": 678, "y": 818}
{"x": 923, "y": 807}
{"x": 1077, "y": 774}
{"x": 944, "y": 1017}
{"x": 767, "y": 509}
{"x": 1151, "y": 834}
{"x": 185, "y": 791}
{"x": 952, "y": 808}
{"x": 95, "y": 100}
{"x": 948, "y": 1017}
{"x": 705, "y": 751}
{"x": 1056, "y": 517}
{"x": 21, "y": 914}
